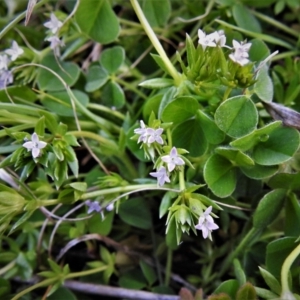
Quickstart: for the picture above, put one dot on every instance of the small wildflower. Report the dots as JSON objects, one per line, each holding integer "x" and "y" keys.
{"x": 93, "y": 206}
{"x": 161, "y": 176}
{"x": 54, "y": 24}
{"x": 240, "y": 55}
{"x": 15, "y": 51}
{"x": 4, "y": 61}
{"x": 220, "y": 38}
{"x": 206, "y": 224}
{"x": 173, "y": 159}
{"x": 55, "y": 43}
{"x": 206, "y": 39}
{"x": 155, "y": 135}
{"x": 142, "y": 131}
{"x": 110, "y": 207}
{"x": 35, "y": 145}
{"x": 6, "y": 78}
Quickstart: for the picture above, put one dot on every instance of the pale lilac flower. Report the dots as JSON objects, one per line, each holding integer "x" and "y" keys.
{"x": 220, "y": 38}
{"x": 240, "y": 55}
{"x": 54, "y": 24}
{"x": 15, "y": 51}
{"x": 93, "y": 206}
{"x": 161, "y": 176}
{"x": 4, "y": 61}
{"x": 142, "y": 131}
{"x": 110, "y": 206}
{"x": 154, "y": 135}
{"x": 206, "y": 223}
{"x": 35, "y": 145}
{"x": 55, "y": 43}
{"x": 206, "y": 39}
{"x": 6, "y": 78}
{"x": 173, "y": 159}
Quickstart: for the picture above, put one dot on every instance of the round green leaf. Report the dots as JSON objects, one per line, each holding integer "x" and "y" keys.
{"x": 135, "y": 212}
{"x": 263, "y": 87}
{"x": 244, "y": 18}
{"x": 220, "y": 176}
{"x": 179, "y": 110}
{"x": 268, "y": 208}
{"x": 190, "y": 136}
{"x": 258, "y": 50}
{"x": 285, "y": 181}
{"x": 157, "y": 12}
{"x": 113, "y": 95}
{"x": 259, "y": 172}
{"x": 96, "y": 78}
{"x": 282, "y": 144}
{"x": 152, "y": 105}
{"x": 228, "y": 287}
{"x": 97, "y": 19}
{"x": 237, "y": 116}
{"x": 101, "y": 226}
{"x": 112, "y": 59}
{"x": 68, "y": 71}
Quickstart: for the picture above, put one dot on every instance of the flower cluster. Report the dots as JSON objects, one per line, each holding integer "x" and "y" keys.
{"x": 149, "y": 135}
{"x": 54, "y": 25}
{"x": 9, "y": 55}
{"x": 240, "y": 53}
{"x": 206, "y": 223}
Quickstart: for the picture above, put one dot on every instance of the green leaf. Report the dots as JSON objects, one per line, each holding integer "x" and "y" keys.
{"x": 263, "y": 87}
{"x": 292, "y": 216}
{"x": 239, "y": 272}
{"x": 148, "y": 272}
{"x": 268, "y": 208}
{"x": 258, "y": 50}
{"x": 19, "y": 94}
{"x": 246, "y": 291}
{"x": 270, "y": 280}
{"x": 112, "y": 59}
{"x": 152, "y": 105}
{"x": 165, "y": 203}
{"x": 229, "y": 287}
{"x": 97, "y": 20}
{"x": 157, "y": 83}
{"x": 247, "y": 142}
{"x": 265, "y": 294}
{"x": 212, "y": 133}
{"x": 157, "y": 12}
{"x": 180, "y": 109}
{"x": 79, "y": 186}
{"x": 237, "y": 116}
{"x": 113, "y": 95}
{"x": 68, "y": 71}
{"x": 278, "y": 251}
{"x": 50, "y": 120}
{"x": 189, "y": 135}
{"x": 236, "y": 156}
{"x": 133, "y": 279}
{"x": 168, "y": 96}
{"x": 190, "y": 51}
{"x": 135, "y": 212}
{"x": 244, "y": 18}
{"x": 95, "y": 78}
{"x": 102, "y": 227}
{"x": 220, "y": 176}
{"x": 285, "y": 181}
{"x": 171, "y": 234}
{"x": 62, "y": 293}
{"x": 281, "y": 145}
{"x": 259, "y": 172}
{"x": 160, "y": 63}
{"x": 39, "y": 128}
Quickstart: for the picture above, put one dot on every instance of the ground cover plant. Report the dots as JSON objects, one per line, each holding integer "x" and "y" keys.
{"x": 149, "y": 149}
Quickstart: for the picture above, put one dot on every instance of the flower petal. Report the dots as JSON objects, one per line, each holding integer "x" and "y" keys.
{"x": 35, "y": 138}
{"x": 35, "y": 152}
{"x": 28, "y": 145}
{"x": 42, "y": 144}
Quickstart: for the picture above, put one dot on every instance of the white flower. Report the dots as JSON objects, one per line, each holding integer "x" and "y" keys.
{"x": 93, "y": 206}
{"x": 110, "y": 207}
{"x": 240, "y": 54}
{"x": 15, "y": 51}
{"x": 155, "y": 135}
{"x": 55, "y": 43}
{"x": 4, "y": 61}
{"x": 220, "y": 38}
{"x": 161, "y": 176}
{"x": 142, "y": 131}
{"x": 6, "y": 78}
{"x": 35, "y": 145}
{"x": 206, "y": 40}
{"x": 173, "y": 159}
{"x": 206, "y": 223}
{"x": 54, "y": 24}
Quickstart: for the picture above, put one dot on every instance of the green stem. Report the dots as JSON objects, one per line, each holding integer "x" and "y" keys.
{"x": 169, "y": 136}
{"x": 240, "y": 248}
{"x": 227, "y": 92}
{"x": 168, "y": 266}
{"x": 106, "y": 109}
{"x": 181, "y": 180}
{"x": 285, "y": 272}
{"x": 85, "y": 273}
{"x": 155, "y": 42}
{"x": 7, "y": 267}
{"x": 130, "y": 87}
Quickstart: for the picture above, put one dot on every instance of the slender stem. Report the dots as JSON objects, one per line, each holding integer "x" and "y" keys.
{"x": 106, "y": 109}
{"x": 7, "y": 267}
{"x": 155, "y": 42}
{"x": 169, "y": 136}
{"x": 85, "y": 273}
{"x": 227, "y": 92}
{"x": 168, "y": 266}
{"x": 181, "y": 180}
{"x": 243, "y": 245}
{"x": 285, "y": 272}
